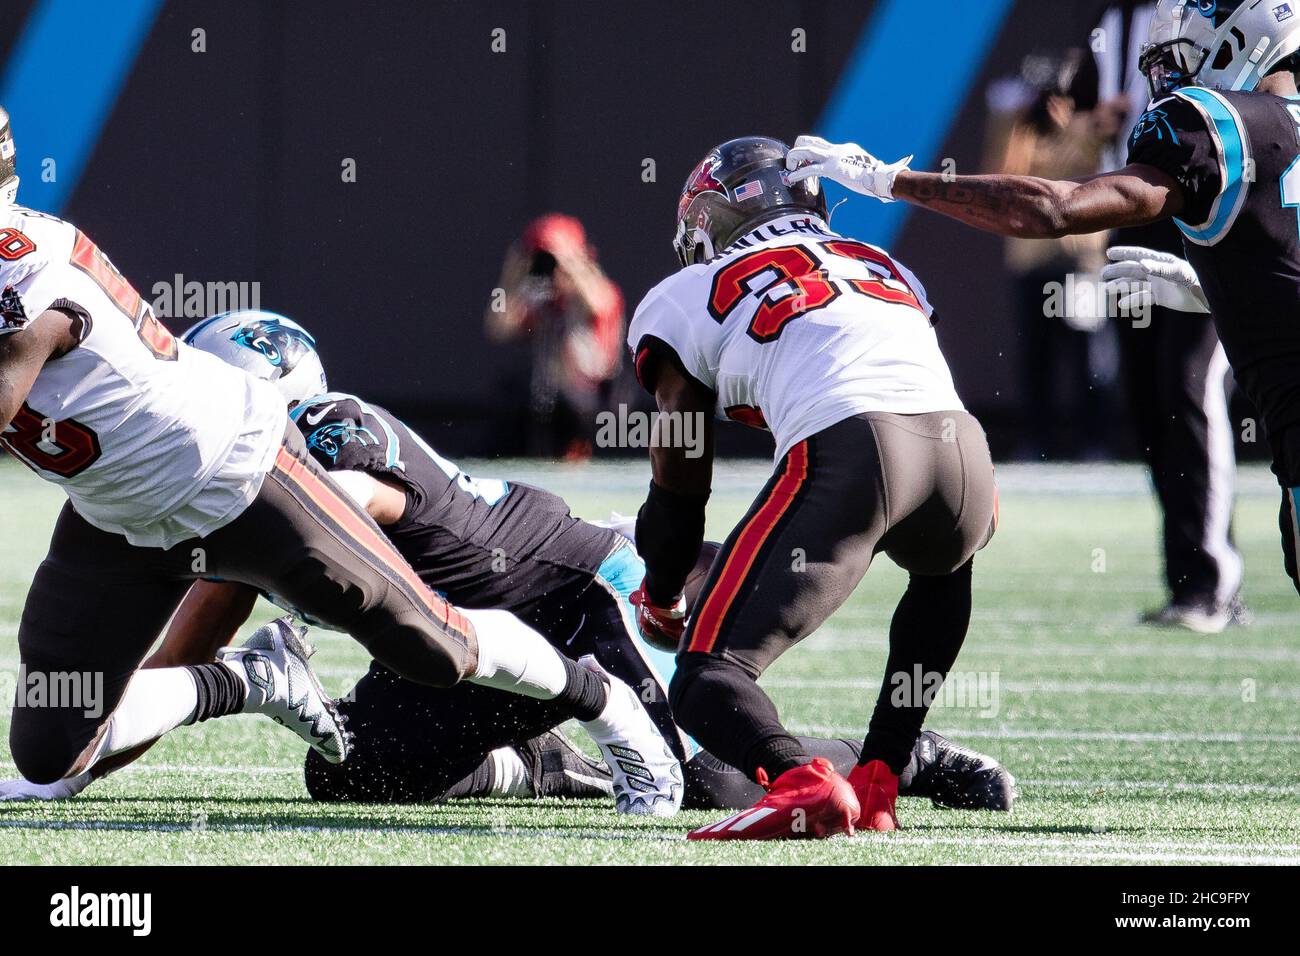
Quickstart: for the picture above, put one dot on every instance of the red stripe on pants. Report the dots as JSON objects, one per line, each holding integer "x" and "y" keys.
{"x": 340, "y": 510}
{"x": 749, "y": 543}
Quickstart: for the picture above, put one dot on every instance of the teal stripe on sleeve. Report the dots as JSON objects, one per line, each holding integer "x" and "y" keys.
{"x": 1227, "y": 126}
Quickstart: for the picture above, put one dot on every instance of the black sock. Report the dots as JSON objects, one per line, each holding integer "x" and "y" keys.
{"x": 712, "y": 784}
{"x": 480, "y": 783}
{"x": 220, "y": 691}
{"x": 585, "y": 692}
{"x": 724, "y": 709}
{"x": 774, "y": 755}
{"x": 925, "y": 636}
{"x": 841, "y": 753}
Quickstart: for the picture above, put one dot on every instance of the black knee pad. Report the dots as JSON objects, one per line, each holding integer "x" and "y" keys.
{"x": 411, "y": 647}
{"x": 39, "y": 756}
{"x": 701, "y": 677}
{"x": 688, "y": 669}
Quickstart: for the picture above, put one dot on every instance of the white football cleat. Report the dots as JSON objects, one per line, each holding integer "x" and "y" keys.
{"x": 647, "y": 777}
{"x": 282, "y": 686}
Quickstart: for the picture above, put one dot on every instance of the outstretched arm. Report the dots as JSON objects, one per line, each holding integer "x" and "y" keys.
{"x": 1034, "y": 208}
{"x": 1024, "y": 206}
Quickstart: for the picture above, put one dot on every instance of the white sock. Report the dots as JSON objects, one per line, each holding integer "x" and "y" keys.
{"x": 157, "y": 700}
{"x": 510, "y": 776}
{"x": 622, "y": 715}
{"x": 514, "y": 657}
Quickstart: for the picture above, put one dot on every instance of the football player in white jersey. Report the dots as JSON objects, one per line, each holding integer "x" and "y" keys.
{"x": 178, "y": 466}
{"x": 570, "y": 579}
{"x": 774, "y": 320}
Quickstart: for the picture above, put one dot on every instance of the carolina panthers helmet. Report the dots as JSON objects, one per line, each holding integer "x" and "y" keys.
{"x": 8, "y": 162}
{"x": 1222, "y": 44}
{"x": 739, "y": 185}
{"x": 267, "y": 346}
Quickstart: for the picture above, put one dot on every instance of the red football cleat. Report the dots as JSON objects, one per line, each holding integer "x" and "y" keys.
{"x": 806, "y": 802}
{"x": 876, "y": 787}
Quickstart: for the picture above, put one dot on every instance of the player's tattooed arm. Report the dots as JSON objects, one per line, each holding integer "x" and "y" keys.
{"x": 24, "y": 353}
{"x": 1033, "y": 208}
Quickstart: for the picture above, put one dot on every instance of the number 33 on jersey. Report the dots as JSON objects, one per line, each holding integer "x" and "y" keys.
{"x": 795, "y": 328}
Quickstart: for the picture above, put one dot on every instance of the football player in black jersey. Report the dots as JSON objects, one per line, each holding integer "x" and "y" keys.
{"x": 484, "y": 543}
{"x": 1218, "y": 150}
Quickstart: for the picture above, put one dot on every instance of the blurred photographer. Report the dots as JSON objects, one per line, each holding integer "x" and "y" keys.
{"x": 557, "y": 298}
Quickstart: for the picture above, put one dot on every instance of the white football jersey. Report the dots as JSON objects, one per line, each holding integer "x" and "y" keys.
{"x": 796, "y": 328}
{"x": 150, "y": 438}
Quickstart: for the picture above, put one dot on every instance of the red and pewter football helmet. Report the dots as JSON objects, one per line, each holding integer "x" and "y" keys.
{"x": 739, "y": 185}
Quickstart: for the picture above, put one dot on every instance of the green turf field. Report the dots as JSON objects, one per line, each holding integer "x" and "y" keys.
{"x": 1130, "y": 746}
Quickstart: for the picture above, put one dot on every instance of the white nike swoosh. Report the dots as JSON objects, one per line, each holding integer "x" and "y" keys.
{"x": 600, "y": 783}
{"x": 315, "y": 419}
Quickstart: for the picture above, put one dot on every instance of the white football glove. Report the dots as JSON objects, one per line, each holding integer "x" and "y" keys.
{"x": 846, "y": 163}
{"x": 1139, "y": 278}
{"x": 59, "y": 790}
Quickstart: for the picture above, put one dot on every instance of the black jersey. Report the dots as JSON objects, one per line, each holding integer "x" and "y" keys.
{"x": 1237, "y": 158}
{"x": 479, "y": 542}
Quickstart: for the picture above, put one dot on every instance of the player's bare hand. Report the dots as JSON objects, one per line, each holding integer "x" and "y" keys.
{"x": 845, "y": 163}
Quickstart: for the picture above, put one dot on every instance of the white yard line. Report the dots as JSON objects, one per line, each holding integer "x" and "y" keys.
{"x": 1143, "y": 689}
{"x": 1119, "y": 850}
{"x": 1178, "y": 786}
{"x": 1109, "y": 736}
{"x": 341, "y": 828}
{"x": 1063, "y": 783}
{"x": 833, "y": 638}
{"x": 1176, "y": 858}
{"x": 153, "y": 768}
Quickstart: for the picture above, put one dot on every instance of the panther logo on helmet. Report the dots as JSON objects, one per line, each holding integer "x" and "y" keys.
{"x": 267, "y": 346}
{"x": 282, "y": 345}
